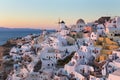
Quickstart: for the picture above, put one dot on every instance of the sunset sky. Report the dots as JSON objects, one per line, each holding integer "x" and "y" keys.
{"x": 45, "y": 13}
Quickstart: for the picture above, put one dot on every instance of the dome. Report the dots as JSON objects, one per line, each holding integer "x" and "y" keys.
{"x": 62, "y": 22}
{"x": 80, "y": 21}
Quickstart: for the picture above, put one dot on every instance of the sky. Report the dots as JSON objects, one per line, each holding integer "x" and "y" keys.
{"x": 44, "y": 14}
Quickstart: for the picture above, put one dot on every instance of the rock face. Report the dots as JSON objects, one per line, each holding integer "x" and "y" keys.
{"x": 61, "y": 63}
{"x": 7, "y": 46}
{"x": 4, "y": 50}
{"x": 1, "y": 61}
{"x": 102, "y": 20}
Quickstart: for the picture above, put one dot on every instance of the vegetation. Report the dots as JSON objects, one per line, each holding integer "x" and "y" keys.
{"x": 27, "y": 58}
{"x": 38, "y": 66}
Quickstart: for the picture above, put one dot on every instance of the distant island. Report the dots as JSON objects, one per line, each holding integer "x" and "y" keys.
{"x": 16, "y": 29}
{"x": 9, "y": 33}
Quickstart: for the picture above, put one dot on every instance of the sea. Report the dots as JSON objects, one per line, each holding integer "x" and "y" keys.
{"x": 6, "y": 35}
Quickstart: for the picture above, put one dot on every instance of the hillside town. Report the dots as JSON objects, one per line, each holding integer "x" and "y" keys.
{"x": 84, "y": 51}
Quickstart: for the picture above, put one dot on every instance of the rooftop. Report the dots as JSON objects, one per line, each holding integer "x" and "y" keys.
{"x": 117, "y": 72}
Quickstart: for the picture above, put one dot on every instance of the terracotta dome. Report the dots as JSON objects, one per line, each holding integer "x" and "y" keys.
{"x": 80, "y": 21}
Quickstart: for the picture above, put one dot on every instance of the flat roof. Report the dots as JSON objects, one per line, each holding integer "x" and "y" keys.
{"x": 117, "y": 72}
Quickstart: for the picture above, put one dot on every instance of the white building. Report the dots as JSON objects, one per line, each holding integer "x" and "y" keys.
{"x": 100, "y": 29}
{"x": 94, "y": 36}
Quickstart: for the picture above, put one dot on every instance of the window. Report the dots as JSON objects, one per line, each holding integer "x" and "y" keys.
{"x": 114, "y": 21}
{"x": 49, "y": 57}
{"x": 83, "y": 56}
{"x": 81, "y": 48}
{"x": 92, "y": 36}
{"x": 97, "y": 51}
{"x": 90, "y": 43}
{"x": 80, "y": 57}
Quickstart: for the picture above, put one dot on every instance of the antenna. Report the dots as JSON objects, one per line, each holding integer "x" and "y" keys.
{"x": 59, "y": 22}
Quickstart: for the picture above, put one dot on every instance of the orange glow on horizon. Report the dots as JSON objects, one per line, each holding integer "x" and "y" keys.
{"x": 42, "y": 23}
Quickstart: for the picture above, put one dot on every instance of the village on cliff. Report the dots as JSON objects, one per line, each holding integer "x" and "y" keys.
{"x": 84, "y": 51}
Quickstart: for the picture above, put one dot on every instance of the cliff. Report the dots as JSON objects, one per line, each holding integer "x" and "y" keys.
{"x": 4, "y": 50}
